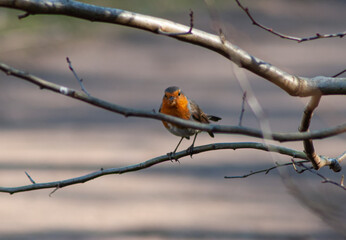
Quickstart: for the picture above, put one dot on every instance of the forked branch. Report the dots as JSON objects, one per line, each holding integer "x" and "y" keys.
{"x": 130, "y": 112}
{"x": 324, "y": 178}
{"x": 293, "y": 85}
{"x": 265, "y": 171}
{"x": 316, "y": 160}
{"x": 154, "y": 161}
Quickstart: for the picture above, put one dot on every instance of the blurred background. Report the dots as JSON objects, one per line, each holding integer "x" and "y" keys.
{"x": 53, "y": 137}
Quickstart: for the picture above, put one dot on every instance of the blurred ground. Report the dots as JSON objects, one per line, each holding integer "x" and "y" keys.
{"x": 53, "y": 137}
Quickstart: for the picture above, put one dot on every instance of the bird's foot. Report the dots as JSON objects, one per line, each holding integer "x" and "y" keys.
{"x": 190, "y": 150}
{"x": 172, "y": 157}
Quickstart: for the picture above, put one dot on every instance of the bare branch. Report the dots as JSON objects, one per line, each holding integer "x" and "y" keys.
{"x": 341, "y": 157}
{"x": 129, "y": 112}
{"x": 325, "y": 179}
{"x": 309, "y": 149}
{"x": 242, "y": 109}
{"x": 80, "y": 81}
{"x": 23, "y": 15}
{"x": 266, "y": 171}
{"x": 284, "y": 36}
{"x": 293, "y": 85}
{"x": 308, "y": 112}
{"x": 31, "y": 180}
{"x": 334, "y": 163}
{"x": 161, "y": 31}
{"x": 152, "y": 162}
{"x": 52, "y": 192}
{"x": 299, "y": 171}
{"x": 304, "y": 127}
{"x": 338, "y": 74}
{"x": 222, "y": 36}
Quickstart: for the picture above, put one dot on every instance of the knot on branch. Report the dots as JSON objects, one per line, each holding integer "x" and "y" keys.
{"x": 335, "y": 165}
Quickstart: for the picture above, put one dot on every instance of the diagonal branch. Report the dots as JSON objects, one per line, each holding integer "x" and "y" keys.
{"x": 242, "y": 109}
{"x": 325, "y": 179}
{"x": 80, "y": 80}
{"x": 130, "y": 112}
{"x": 304, "y": 127}
{"x": 338, "y": 74}
{"x": 309, "y": 149}
{"x": 30, "y": 178}
{"x": 284, "y": 36}
{"x": 293, "y": 85}
{"x": 152, "y": 162}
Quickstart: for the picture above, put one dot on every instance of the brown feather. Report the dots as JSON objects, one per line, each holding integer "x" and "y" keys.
{"x": 175, "y": 103}
{"x": 197, "y": 113}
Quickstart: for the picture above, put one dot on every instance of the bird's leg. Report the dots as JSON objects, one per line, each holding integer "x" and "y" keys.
{"x": 190, "y": 149}
{"x": 171, "y": 154}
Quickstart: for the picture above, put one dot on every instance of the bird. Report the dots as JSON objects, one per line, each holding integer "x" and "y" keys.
{"x": 177, "y": 104}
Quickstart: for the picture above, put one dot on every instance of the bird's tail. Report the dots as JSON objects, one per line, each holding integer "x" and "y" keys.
{"x": 214, "y": 118}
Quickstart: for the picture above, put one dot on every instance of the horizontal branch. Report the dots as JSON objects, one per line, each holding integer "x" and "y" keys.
{"x": 152, "y": 162}
{"x": 130, "y": 112}
{"x": 293, "y": 85}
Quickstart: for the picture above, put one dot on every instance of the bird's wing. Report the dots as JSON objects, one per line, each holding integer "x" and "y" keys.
{"x": 197, "y": 113}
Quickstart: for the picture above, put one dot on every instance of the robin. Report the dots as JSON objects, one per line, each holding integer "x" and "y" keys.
{"x": 175, "y": 103}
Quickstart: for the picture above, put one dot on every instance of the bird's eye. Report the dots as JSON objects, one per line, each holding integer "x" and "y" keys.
{"x": 179, "y": 93}
{"x": 165, "y": 96}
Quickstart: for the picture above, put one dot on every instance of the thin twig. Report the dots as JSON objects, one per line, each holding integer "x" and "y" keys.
{"x": 52, "y": 192}
{"x": 222, "y": 36}
{"x": 296, "y": 169}
{"x": 160, "y": 31}
{"x": 325, "y": 179}
{"x": 80, "y": 80}
{"x": 30, "y": 178}
{"x": 242, "y": 109}
{"x": 27, "y": 14}
{"x": 266, "y": 171}
{"x": 338, "y": 74}
{"x": 284, "y": 36}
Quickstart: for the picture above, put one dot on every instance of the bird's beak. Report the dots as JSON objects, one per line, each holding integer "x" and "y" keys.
{"x": 172, "y": 100}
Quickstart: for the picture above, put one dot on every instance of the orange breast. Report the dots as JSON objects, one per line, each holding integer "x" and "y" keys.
{"x": 178, "y": 106}
{"x": 180, "y": 109}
